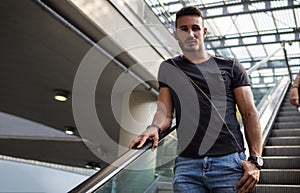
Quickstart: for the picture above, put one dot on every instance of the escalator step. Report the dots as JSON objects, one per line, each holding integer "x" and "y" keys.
{"x": 281, "y": 162}
{"x": 289, "y": 113}
{"x": 288, "y": 108}
{"x": 285, "y": 132}
{"x": 277, "y": 141}
{"x": 276, "y": 188}
{"x": 280, "y": 176}
{"x": 282, "y": 150}
{"x": 286, "y": 125}
{"x": 288, "y": 118}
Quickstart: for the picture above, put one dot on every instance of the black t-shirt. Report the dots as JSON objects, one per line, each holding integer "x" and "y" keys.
{"x": 204, "y": 104}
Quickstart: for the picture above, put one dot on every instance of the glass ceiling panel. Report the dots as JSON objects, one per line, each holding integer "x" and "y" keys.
{"x": 269, "y": 79}
{"x": 297, "y": 13}
{"x": 294, "y": 49}
{"x": 212, "y": 28}
{"x": 255, "y": 74}
{"x": 284, "y": 19}
{"x": 287, "y": 37}
{"x": 264, "y": 21}
{"x": 279, "y": 54}
{"x": 166, "y": 2}
{"x": 250, "y": 40}
{"x": 271, "y": 48}
{"x": 280, "y": 71}
{"x": 270, "y": 38}
{"x": 235, "y": 9}
{"x": 266, "y": 72}
{"x": 216, "y": 11}
{"x": 232, "y": 42}
{"x": 255, "y": 80}
{"x": 294, "y": 62}
{"x": 257, "y": 51}
{"x": 245, "y": 24}
{"x": 226, "y": 26}
{"x": 193, "y": 2}
{"x": 246, "y": 65}
{"x": 224, "y": 52}
{"x": 173, "y": 7}
{"x": 257, "y": 5}
{"x": 212, "y": 2}
{"x": 240, "y": 53}
{"x": 279, "y": 3}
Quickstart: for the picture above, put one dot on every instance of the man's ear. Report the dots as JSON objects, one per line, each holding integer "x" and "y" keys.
{"x": 175, "y": 34}
{"x": 204, "y": 32}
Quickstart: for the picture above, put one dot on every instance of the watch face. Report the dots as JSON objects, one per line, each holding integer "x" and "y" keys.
{"x": 260, "y": 161}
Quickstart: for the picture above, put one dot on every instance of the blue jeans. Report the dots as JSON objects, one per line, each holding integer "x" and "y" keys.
{"x": 215, "y": 174}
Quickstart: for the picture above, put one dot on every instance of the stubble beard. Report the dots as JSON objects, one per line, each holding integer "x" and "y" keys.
{"x": 189, "y": 48}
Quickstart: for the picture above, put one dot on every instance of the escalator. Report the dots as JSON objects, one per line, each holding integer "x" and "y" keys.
{"x": 281, "y": 173}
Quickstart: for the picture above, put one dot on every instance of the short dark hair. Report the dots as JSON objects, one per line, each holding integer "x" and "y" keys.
{"x": 188, "y": 10}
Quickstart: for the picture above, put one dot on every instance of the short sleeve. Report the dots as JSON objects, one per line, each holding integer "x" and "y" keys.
{"x": 240, "y": 75}
{"x": 162, "y": 79}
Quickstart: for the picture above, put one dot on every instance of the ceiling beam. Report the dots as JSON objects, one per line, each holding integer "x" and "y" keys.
{"x": 205, "y": 8}
{"x": 295, "y": 31}
{"x": 221, "y": 41}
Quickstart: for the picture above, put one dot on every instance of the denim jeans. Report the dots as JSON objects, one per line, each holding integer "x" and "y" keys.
{"x": 214, "y": 174}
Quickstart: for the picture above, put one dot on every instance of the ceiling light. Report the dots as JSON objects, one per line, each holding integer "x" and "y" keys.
{"x": 69, "y": 130}
{"x": 93, "y": 165}
{"x": 61, "y": 95}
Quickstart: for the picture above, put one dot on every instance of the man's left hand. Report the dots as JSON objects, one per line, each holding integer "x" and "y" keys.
{"x": 249, "y": 179}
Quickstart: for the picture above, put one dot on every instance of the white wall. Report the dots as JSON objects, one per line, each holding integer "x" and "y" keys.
{"x": 22, "y": 177}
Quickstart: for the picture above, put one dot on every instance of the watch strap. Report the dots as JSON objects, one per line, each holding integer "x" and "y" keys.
{"x": 254, "y": 159}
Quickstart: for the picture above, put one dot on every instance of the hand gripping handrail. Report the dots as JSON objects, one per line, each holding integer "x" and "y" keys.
{"x": 103, "y": 176}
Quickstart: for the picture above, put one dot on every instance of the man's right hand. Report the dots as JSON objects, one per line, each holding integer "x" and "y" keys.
{"x": 150, "y": 134}
{"x": 294, "y": 98}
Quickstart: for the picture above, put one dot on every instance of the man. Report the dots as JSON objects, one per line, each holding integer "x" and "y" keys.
{"x": 294, "y": 95}
{"x": 210, "y": 144}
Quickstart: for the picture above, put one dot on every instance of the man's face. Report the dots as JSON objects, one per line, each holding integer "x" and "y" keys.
{"x": 190, "y": 33}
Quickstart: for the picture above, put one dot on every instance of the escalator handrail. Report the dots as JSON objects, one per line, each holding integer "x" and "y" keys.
{"x": 268, "y": 108}
{"x": 263, "y": 61}
{"x": 103, "y": 176}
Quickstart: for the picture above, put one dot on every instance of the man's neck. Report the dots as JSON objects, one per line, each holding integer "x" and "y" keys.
{"x": 197, "y": 57}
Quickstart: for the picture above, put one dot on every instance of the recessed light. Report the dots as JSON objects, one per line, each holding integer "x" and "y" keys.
{"x": 93, "y": 165}
{"x": 69, "y": 130}
{"x": 61, "y": 95}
